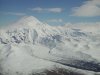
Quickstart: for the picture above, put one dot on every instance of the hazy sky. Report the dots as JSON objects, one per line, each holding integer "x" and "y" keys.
{"x": 54, "y": 12}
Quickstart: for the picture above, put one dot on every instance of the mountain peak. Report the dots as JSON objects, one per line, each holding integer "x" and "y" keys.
{"x": 28, "y": 21}
{"x": 30, "y": 18}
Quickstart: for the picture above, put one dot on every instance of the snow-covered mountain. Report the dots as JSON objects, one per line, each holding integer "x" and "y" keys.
{"x": 30, "y": 42}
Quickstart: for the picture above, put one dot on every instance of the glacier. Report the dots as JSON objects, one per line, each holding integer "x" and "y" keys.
{"x": 30, "y": 45}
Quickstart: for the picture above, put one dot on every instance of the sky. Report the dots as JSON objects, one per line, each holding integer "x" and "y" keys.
{"x": 53, "y": 12}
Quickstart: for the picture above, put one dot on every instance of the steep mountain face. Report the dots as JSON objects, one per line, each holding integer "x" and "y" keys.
{"x": 68, "y": 46}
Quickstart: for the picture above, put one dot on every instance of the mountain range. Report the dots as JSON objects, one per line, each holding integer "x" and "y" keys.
{"x": 30, "y": 45}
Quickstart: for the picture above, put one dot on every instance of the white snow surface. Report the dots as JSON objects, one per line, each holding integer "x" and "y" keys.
{"x": 30, "y": 45}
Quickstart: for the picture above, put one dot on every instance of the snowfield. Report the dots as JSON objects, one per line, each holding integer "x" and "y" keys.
{"x": 30, "y": 46}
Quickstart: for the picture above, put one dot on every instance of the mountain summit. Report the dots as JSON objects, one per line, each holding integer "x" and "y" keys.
{"x": 28, "y": 21}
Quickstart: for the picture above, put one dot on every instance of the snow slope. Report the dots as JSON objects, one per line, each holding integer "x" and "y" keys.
{"x": 30, "y": 45}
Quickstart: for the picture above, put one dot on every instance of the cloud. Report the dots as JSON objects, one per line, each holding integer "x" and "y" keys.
{"x": 88, "y": 9}
{"x": 95, "y": 26}
{"x": 55, "y": 20}
{"x": 37, "y": 9}
{"x": 53, "y": 10}
{"x": 14, "y": 13}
